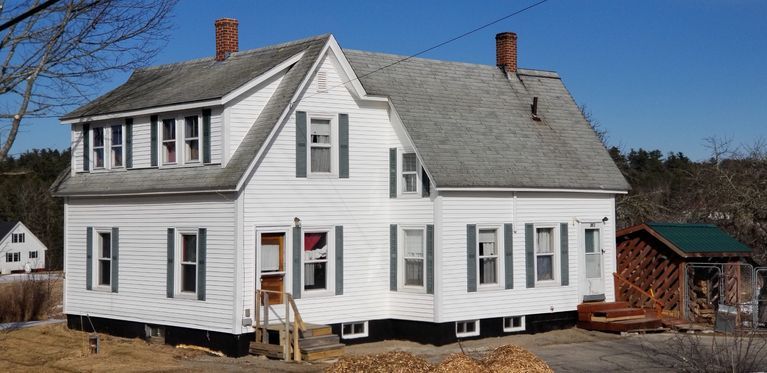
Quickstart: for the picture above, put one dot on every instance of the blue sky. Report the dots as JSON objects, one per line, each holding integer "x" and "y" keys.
{"x": 656, "y": 74}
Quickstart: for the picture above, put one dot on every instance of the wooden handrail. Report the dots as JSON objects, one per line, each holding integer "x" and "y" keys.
{"x": 657, "y": 303}
{"x": 291, "y": 338}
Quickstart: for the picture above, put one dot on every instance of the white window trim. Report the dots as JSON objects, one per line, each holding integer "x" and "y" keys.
{"x": 467, "y": 334}
{"x": 97, "y": 258}
{"x": 179, "y": 240}
{"x": 198, "y": 138}
{"x": 161, "y": 143}
{"x": 400, "y": 180}
{"x": 18, "y": 237}
{"x": 514, "y": 329}
{"x": 402, "y": 172}
{"x": 499, "y": 272}
{"x": 107, "y": 131}
{"x": 13, "y": 254}
{"x": 556, "y": 255}
{"x": 355, "y": 335}
{"x": 29, "y": 254}
{"x": 600, "y": 246}
{"x": 122, "y": 146}
{"x": 330, "y": 283}
{"x": 333, "y": 145}
{"x": 401, "y": 259}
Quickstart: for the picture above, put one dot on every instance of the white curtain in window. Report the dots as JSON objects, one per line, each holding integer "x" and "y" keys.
{"x": 487, "y": 271}
{"x": 544, "y": 241}
{"x": 270, "y": 258}
{"x": 320, "y": 159}
{"x": 413, "y": 244}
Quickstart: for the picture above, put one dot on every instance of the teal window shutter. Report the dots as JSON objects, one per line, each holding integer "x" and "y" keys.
{"x": 128, "y": 142}
{"x": 202, "y": 253}
{"x": 343, "y": 146}
{"x": 425, "y": 184}
{"x": 115, "y": 257}
{"x": 86, "y": 147}
{"x": 339, "y": 259}
{"x": 89, "y": 258}
{"x": 530, "y": 255}
{"x": 300, "y": 145}
{"x": 153, "y": 137}
{"x": 508, "y": 255}
{"x": 393, "y": 173}
{"x": 393, "y": 257}
{"x": 205, "y": 135}
{"x": 430, "y": 259}
{"x": 471, "y": 257}
{"x": 297, "y": 248}
{"x": 169, "y": 282}
{"x": 564, "y": 254}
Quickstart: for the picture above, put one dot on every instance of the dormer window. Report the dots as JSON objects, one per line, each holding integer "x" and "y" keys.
{"x": 192, "y": 139}
{"x": 98, "y": 147}
{"x": 409, "y": 173}
{"x": 117, "y": 146}
{"x": 169, "y": 141}
{"x": 321, "y": 146}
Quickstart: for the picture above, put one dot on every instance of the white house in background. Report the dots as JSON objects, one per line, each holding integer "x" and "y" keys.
{"x": 419, "y": 199}
{"x": 20, "y": 249}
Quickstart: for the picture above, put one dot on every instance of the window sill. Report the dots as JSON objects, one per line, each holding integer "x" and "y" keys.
{"x": 412, "y": 289}
{"x": 319, "y": 293}
{"x": 548, "y": 283}
{"x": 489, "y": 287}
{"x": 103, "y": 288}
{"x": 322, "y": 175}
{"x": 185, "y": 295}
{"x": 354, "y": 336}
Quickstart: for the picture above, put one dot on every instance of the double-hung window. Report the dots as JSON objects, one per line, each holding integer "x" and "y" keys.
{"x": 104, "y": 259}
{"x": 488, "y": 256}
{"x": 98, "y": 147}
{"x": 321, "y": 153}
{"x": 409, "y": 173}
{"x": 316, "y": 260}
{"x": 188, "y": 263}
{"x": 169, "y": 141}
{"x": 33, "y": 255}
{"x": 17, "y": 238}
{"x": 413, "y": 257}
{"x": 544, "y": 253}
{"x": 12, "y": 257}
{"x": 117, "y": 146}
{"x": 192, "y": 139}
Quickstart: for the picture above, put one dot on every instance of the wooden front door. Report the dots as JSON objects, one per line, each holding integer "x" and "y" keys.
{"x": 272, "y": 259}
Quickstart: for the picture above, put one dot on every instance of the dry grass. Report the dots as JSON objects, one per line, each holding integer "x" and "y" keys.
{"x": 54, "y": 348}
{"x": 504, "y": 359}
{"x": 29, "y": 299}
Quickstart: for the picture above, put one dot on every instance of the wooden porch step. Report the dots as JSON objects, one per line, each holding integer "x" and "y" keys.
{"x": 322, "y": 352}
{"x": 312, "y": 330}
{"x": 271, "y": 351}
{"x": 618, "y": 314}
{"x": 601, "y": 306}
{"x": 622, "y": 325}
{"x": 320, "y": 340}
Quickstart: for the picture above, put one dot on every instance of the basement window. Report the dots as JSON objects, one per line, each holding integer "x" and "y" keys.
{"x": 354, "y": 330}
{"x": 513, "y": 323}
{"x": 467, "y": 328}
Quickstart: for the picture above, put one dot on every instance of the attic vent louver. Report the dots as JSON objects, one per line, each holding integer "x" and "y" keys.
{"x": 322, "y": 81}
{"x": 534, "y": 109}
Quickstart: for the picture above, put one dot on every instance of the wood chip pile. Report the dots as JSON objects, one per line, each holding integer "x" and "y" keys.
{"x": 504, "y": 359}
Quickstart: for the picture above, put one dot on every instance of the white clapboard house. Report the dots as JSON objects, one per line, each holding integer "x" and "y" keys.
{"x": 427, "y": 200}
{"x": 20, "y": 249}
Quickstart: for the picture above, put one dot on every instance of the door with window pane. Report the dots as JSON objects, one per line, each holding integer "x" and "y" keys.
{"x": 272, "y": 264}
{"x": 593, "y": 260}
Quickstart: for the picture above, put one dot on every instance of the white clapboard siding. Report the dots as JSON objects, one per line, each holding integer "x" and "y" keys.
{"x": 143, "y": 223}
{"x": 244, "y": 110}
{"x": 77, "y": 148}
{"x": 31, "y": 243}
{"x": 361, "y": 203}
{"x": 495, "y": 210}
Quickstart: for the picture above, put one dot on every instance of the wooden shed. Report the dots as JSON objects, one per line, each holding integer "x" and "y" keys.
{"x": 656, "y": 263}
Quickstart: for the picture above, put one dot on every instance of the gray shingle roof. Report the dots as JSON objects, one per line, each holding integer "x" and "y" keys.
{"x": 191, "y": 81}
{"x": 209, "y": 177}
{"x": 473, "y": 128}
{"x": 470, "y": 124}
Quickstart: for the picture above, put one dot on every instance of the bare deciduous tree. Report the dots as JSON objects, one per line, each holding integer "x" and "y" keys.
{"x": 58, "y": 57}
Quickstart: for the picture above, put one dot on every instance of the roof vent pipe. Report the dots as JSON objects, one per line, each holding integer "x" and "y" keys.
{"x": 506, "y": 51}
{"x": 227, "y": 38}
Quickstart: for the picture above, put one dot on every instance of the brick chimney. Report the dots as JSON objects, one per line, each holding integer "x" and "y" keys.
{"x": 227, "y": 40}
{"x": 506, "y": 51}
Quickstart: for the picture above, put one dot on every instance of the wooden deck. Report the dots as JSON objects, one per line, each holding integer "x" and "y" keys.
{"x": 616, "y": 317}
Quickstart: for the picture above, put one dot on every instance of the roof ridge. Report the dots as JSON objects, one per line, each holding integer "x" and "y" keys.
{"x": 235, "y": 54}
{"x": 524, "y": 71}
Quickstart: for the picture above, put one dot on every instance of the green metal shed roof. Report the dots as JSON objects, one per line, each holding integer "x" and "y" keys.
{"x": 699, "y": 238}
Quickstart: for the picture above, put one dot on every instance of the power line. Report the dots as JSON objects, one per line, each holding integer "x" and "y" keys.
{"x": 439, "y": 45}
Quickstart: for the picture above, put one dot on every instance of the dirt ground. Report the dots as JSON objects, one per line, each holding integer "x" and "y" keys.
{"x": 50, "y": 348}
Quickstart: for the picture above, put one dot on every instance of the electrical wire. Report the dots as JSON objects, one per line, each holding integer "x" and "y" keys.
{"x": 467, "y": 33}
